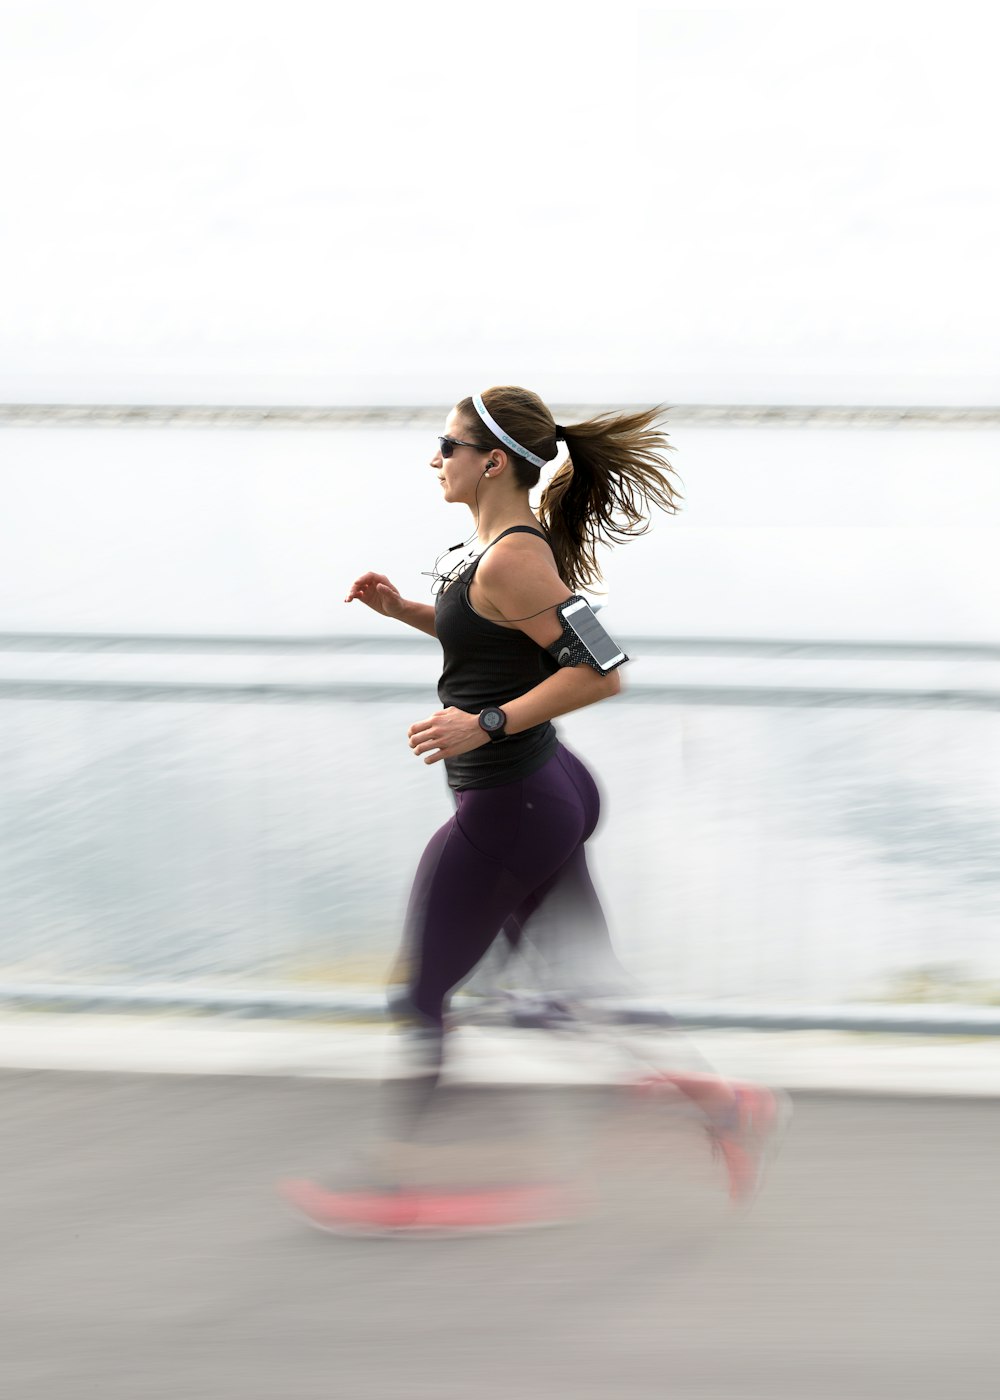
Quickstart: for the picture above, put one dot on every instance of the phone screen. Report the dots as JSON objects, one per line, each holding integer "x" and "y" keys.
{"x": 604, "y": 649}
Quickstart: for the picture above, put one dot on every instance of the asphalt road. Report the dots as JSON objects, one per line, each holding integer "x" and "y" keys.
{"x": 146, "y": 1254}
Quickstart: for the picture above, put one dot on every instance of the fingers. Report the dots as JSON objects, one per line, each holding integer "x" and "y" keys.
{"x": 365, "y": 588}
{"x": 358, "y": 587}
{"x": 430, "y": 751}
{"x": 445, "y": 734}
{"x": 425, "y": 737}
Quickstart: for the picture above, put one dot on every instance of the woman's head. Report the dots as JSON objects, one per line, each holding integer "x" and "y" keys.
{"x": 616, "y": 471}
{"x": 520, "y": 415}
{"x": 462, "y": 460}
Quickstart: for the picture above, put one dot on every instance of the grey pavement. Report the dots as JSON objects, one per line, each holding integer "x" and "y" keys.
{"x": 147, "y": 1255}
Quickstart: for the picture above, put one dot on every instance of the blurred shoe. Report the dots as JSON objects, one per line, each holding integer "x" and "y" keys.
{"x": 483, "y": 1210}
{"x": 747, "y": 1137}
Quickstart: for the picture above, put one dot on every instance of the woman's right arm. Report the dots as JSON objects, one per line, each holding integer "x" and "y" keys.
{"x": 377, "y": 593}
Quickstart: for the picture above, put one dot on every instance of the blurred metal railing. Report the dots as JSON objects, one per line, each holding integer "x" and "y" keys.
{"x": 698, "y": 670}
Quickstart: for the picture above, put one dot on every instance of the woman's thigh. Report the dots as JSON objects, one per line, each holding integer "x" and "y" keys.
{"x": 502, "y": 844}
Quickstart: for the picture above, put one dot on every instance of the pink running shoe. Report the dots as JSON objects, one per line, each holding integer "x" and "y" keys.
{"x": 431, "y": 1212}
{"x": 748, "y": 1137}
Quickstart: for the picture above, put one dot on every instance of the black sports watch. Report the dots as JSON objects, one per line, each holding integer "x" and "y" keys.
{"x": 494, "y": 722}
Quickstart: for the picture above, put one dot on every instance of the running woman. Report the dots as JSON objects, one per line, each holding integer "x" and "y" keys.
{"x": 525, "y": 805}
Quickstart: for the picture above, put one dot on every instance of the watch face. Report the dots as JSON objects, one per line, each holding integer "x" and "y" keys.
{"x": 491, "y": 720}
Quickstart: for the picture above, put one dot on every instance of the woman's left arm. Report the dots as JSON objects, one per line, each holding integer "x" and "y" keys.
{"x": 533, "y": 587}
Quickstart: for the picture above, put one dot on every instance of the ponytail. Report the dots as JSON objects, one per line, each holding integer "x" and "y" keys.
{"x": 604, "y": 492}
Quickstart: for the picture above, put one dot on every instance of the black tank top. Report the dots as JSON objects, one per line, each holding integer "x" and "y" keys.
{"x": 486, "y": 664}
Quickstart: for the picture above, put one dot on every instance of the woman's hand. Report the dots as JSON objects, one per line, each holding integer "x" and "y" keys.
{"x": 377, "y": 593}
{"x": 449, "y": 731}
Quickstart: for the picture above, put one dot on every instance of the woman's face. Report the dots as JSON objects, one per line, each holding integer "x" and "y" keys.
{"x": 461, "y": 473}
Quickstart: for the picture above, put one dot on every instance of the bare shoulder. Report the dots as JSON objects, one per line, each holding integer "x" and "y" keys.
{"x": 514, "y": 553}
{"x": 518, "y": 583}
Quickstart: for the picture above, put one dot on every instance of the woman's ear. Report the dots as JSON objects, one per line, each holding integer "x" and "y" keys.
{"x": 497, "y": 463}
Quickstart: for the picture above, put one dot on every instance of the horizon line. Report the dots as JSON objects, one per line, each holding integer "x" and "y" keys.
{"x": 292, "y": 415}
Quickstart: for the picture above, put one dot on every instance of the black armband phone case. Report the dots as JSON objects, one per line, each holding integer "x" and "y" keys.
{"x": 600, "y": 652}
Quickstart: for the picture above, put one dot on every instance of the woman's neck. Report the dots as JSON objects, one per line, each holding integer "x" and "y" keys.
{"x": 497, "y": 516}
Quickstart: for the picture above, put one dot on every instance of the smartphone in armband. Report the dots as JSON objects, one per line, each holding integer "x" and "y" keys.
{"x": 584, "y": 640}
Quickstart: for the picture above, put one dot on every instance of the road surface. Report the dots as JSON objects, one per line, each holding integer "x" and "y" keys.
{"x": 146, "y": 1254}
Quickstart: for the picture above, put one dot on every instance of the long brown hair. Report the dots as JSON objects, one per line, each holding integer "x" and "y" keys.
{"x": 616, "y": 471}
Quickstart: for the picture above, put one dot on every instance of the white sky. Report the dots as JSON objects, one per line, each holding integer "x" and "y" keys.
{"x": 309, "y": 201}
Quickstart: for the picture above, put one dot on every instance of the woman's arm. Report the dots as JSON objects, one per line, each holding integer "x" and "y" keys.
{"x": 377, "y": 593}
{"x": 533, "y": 586}
{"x": 447, "y": 733}
{"x": 571, "y": 688}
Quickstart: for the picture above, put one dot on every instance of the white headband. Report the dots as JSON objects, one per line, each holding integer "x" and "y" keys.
{"x": 495, "y": 428}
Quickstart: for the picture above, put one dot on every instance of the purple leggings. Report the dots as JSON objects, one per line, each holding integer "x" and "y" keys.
{"x": 510, "y": 860}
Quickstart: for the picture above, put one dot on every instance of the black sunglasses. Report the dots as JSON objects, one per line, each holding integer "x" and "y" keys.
{"x": 448, "y": 445}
